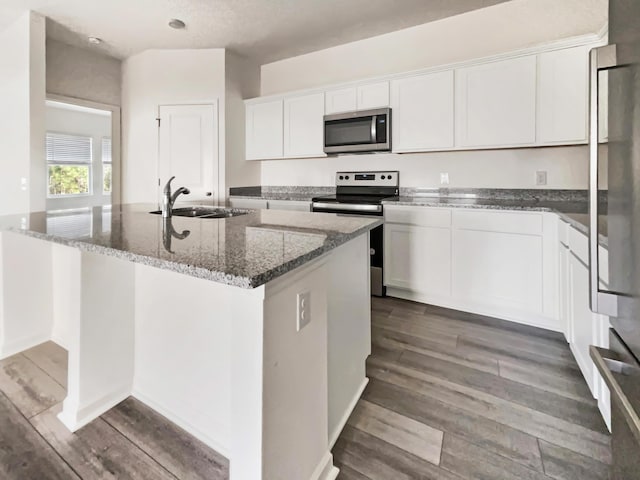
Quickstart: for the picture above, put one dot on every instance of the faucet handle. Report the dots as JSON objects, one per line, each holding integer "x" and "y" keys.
{"x": 167, "y": 187}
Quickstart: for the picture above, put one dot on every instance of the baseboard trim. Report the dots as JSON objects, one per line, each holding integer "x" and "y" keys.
{"x": 352, "y": 405}
{"x": 215, "y": 443}
{"x": 75, "y": 418}
{"x": 22, "y": 344}
{"x": 510, "y": 315}
{"x": 325, "y": 470}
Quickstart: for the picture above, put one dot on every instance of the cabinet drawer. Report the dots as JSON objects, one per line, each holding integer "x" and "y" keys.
{"x": 421, "y": 216}
{"x": 250, "y": 203}
{"x": 503, "y": 222}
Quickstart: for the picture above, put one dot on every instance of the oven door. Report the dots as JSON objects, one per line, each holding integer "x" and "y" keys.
{"x": 365, "y": 131}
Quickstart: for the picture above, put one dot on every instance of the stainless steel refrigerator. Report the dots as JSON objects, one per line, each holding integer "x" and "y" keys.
{"x": 618, "y": 66}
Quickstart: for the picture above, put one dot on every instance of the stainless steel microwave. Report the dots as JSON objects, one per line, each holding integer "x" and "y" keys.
{"x": 358, "y": 132}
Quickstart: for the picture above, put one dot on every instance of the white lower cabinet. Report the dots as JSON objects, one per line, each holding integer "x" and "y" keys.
{"x": 583, "y": 327}
{"x": 418, "y": 258}
{"x": 488, "y": 262}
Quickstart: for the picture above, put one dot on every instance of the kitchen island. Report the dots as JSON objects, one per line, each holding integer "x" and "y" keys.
{"x": 249, "y": 332}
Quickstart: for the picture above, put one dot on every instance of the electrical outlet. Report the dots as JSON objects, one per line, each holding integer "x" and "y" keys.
{"x": 541, "y": 177}
{"x": 304, "y": 310}
{"x": 444, "y": 178}
{"x": 23, "y": 184}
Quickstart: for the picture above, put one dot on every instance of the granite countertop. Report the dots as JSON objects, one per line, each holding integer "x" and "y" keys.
{"x": 244, "y": 251}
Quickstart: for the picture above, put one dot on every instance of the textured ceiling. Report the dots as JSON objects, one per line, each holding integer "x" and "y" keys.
{"x": 265, "y": 30}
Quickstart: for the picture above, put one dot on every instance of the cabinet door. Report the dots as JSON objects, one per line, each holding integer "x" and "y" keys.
{"x": 303, "y": 126}
{"x": 496, "y": 104}
{"x": 422, "y": 116}
{"x": 373, "y": 95}
{"x": 264, "y": 130}
{"x": 563, "y": 96}
{"x": 340, "y": 101}
{"x": 498, "y": 269}
{"x": 583, "y": 329}
{"x": 418, "y": 259}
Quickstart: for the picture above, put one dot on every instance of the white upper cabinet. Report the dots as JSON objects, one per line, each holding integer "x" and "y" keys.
{"x": 264, "y": 130}
{"x": 303, "y": 126}
{"x": 422, "y": 112}
{"x": 496, "y": 103}
{"x": 563, "y": 95}
{"x": 373, "y": 95}
{"x": 362, "y": 97}
{"x": 340, "y": 101}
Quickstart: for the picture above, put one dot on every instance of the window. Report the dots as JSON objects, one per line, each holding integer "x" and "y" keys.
{"x": 69, "y": 161}
{"x": 107, "y": 169}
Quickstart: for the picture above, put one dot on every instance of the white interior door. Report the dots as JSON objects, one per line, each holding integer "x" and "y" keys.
{"x": 188, "y": 150}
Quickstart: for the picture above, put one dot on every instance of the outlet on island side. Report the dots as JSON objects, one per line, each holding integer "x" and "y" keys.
{"x": 444, "y": 178}
{"x": 303, "y": 310}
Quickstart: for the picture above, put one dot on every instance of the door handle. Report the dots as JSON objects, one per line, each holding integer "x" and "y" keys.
{"x": 606, "y": 303}
{"x": 609, "y": 366}
{"x": 374, "y": 129}
{"x": 208, "y": 194}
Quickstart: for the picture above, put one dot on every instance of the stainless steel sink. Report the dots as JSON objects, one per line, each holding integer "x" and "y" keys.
{"x": 205, "y": 212}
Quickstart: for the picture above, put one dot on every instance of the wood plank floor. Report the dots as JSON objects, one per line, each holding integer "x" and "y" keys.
{"x": 130, "y": 441}
{"x": 452, "y": 396}
{"x": 457, "y": 396}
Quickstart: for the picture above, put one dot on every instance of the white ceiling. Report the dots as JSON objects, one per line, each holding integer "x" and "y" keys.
{"x": 265, "y": 30}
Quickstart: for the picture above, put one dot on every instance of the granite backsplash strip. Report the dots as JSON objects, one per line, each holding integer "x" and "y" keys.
{"x": 301, "y": 193}
{"x": 518, "y": 194}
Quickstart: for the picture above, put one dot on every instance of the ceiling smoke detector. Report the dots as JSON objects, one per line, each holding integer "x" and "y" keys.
{"x": 177, "y": 24}
{"x": 95, "y": 40}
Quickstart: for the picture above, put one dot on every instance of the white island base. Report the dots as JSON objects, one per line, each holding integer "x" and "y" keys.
{"x": 226, "y": 364}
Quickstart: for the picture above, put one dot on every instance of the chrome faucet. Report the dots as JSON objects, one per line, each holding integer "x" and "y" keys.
{"x": 168, "y": 199}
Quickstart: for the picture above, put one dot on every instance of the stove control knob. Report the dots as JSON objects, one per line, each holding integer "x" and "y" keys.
{"x": 341, "y": 177}
{"x": 347, "y": 177}
{"x": 389, "y": 177}
{"x": 383, "y": 177}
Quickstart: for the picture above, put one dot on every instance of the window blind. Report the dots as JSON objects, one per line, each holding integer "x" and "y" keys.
{"x": 63, "y": 148}
{"x": 106, "y": 150}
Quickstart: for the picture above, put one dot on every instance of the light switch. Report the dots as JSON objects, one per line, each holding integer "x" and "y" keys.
{"x": 303, "y": 310}
{"x": 444, "y": 178}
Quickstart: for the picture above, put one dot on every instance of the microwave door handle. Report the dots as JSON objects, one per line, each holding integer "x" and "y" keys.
{"x": 374, "y": 128}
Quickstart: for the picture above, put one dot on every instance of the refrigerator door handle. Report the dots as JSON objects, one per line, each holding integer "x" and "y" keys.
{"x": 609, "y": 366}
{"x": 606, "y": 303}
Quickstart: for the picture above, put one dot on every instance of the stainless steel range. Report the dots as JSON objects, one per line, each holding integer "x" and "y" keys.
{"x": 362, "y": 193}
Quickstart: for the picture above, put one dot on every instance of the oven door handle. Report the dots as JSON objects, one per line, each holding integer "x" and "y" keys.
{"x": 346, "y": 207}
{"x": 609, "y": 366}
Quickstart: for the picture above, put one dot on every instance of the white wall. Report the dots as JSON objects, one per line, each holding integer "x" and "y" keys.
{"x": 163, "y": 77}
{"x": 94, "y": 125}
{"x": 501, "y": 28}
{"x": 22, "y": 96}
{"x": 80, "y": 73}
{"x": 514, "y": 168}
{"x": 242, "y": 81}
{"x": 479, "y": 33}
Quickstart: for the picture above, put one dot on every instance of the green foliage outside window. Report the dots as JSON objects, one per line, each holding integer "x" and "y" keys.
{"x": 69, "y": 179}
{"x": 106, "y": 178}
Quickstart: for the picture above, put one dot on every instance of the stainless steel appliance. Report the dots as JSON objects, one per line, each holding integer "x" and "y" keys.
{"x": 362, "y": 193}
{"x": 619, "y": 63}
{"x": 358, "y": 132}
